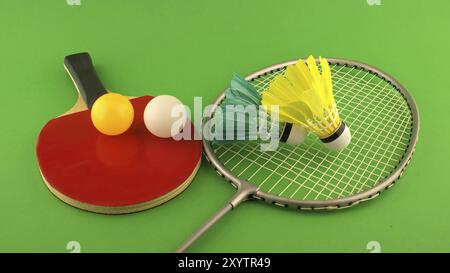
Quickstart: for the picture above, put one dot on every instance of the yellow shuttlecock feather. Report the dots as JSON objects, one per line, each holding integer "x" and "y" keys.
{"x": 304, "y": 96}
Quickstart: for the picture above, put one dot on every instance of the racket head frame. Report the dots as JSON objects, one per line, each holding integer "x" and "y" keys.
{"x": 247, "y": 190}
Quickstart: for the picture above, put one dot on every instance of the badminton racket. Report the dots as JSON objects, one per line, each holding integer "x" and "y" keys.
{"x": 384, "y": 121}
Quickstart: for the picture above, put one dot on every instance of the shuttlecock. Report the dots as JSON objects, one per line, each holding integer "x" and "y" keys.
{"x": 304, "y": 96}
{"x": 240, "y": 117}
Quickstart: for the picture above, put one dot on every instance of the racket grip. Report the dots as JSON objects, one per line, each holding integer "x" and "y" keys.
{"x": 204, "y": 228}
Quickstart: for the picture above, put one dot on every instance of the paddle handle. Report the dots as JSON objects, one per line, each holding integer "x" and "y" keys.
{"x": 83, "y": 74}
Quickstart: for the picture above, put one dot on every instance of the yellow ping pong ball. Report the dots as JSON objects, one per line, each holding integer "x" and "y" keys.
{"x": 112, "y": 114}
{"x": 165, "y": 116}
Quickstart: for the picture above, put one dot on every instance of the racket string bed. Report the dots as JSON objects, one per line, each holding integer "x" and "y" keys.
{"x": 367, "y": 103}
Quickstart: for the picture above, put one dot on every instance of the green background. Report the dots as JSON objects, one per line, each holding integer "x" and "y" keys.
{"x": 191, "y": 48}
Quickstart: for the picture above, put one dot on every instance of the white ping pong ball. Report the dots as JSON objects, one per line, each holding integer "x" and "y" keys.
{"x": 165, "y": 116}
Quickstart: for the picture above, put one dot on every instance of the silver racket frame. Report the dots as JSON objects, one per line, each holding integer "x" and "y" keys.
{"x": 246, "y": 190}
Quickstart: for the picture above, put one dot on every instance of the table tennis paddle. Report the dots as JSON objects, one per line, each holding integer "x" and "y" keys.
{"x": 127, "y": 173}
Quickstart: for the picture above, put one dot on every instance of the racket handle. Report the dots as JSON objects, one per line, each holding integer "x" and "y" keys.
{"x": 204, "y": 228}
{"x": 82, "y": 71}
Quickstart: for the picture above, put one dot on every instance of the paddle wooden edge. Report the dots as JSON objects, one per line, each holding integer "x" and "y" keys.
{"x": 123, "y": 209}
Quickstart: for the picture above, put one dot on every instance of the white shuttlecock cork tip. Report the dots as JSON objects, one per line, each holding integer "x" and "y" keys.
{"x": 296, "y": 134}
{"x": 339, "y": 139}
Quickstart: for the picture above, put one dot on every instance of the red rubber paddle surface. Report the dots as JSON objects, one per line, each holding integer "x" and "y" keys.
{"x": 132, "y": 168}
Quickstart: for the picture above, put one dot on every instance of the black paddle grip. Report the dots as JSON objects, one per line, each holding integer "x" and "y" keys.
{"x": 82, "y": 72}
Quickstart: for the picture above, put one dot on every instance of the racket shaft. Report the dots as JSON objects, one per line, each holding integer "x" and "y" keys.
{"x": 204, "y": 228}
